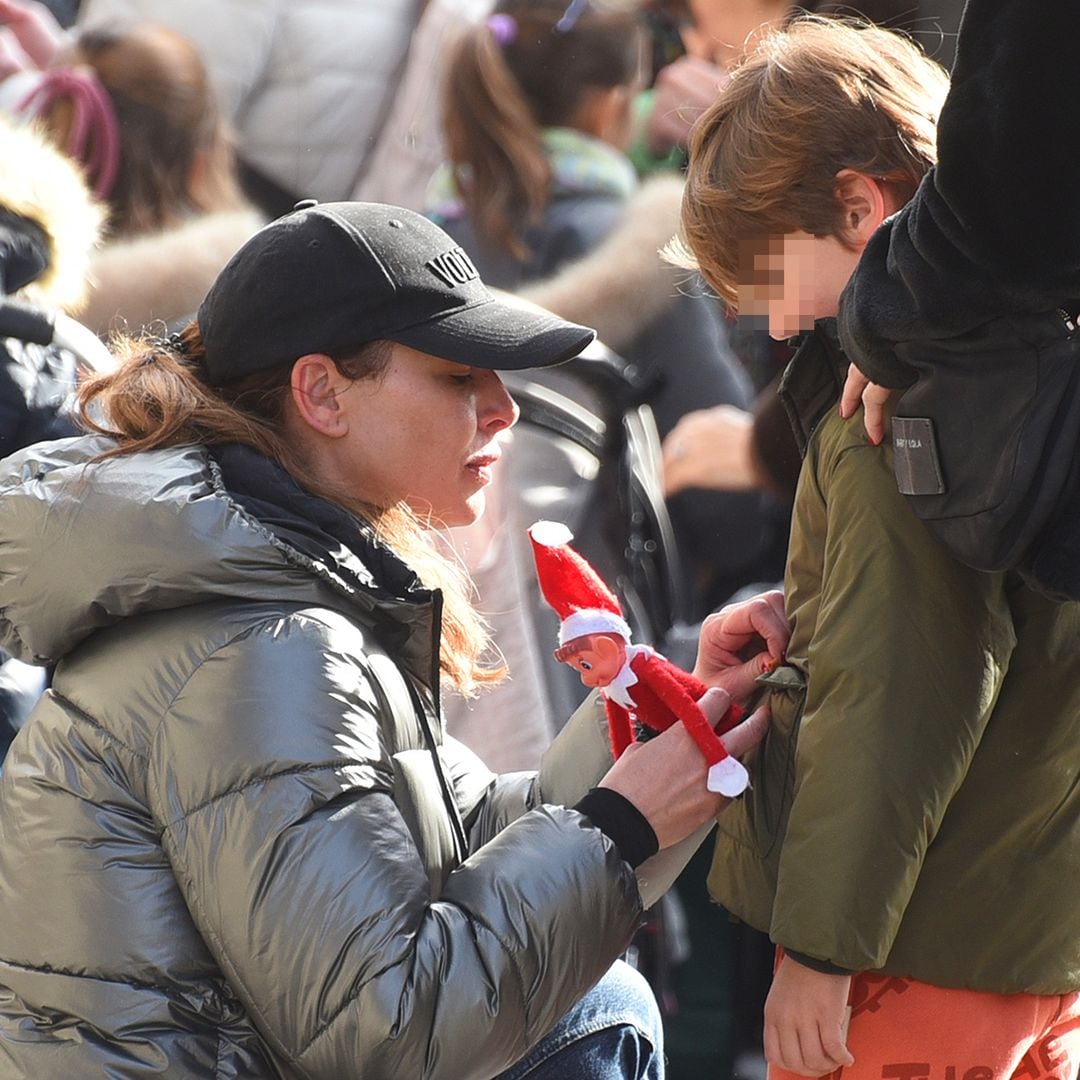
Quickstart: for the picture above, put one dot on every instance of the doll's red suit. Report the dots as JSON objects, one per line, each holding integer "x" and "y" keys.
{"x": 637, "y": 683}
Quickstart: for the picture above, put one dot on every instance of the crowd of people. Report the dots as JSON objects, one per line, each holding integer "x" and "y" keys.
{"x": 285, "y": 788}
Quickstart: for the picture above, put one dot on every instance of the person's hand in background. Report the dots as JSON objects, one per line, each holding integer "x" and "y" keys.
{"x": 683, "y": 90}
{"x": 35, "y": 29}
{"x": 13, "y": 58}
{"x": 711, "y": 449}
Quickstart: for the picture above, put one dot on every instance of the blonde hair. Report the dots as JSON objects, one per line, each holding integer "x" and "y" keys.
{"x": 820, "y": 96}
{"x": 158, "y": 397}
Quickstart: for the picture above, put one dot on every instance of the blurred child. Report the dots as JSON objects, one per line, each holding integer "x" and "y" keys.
{"x": 136, "y": 109}
{"x": 48, "y": 225}
{"x": 914, "y": 816}
{"x": 537, "y": 118}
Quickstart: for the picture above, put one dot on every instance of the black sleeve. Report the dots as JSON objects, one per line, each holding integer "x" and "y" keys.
{"x": 992, "y": 230}
{"x": 822, "y": 966}
{"x": 621, "y": 822}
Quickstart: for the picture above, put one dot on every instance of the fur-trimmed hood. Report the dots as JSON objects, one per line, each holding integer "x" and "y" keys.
{"x": 163, "y": 276}
{"x": 623, "y": 285}
{"x": 39, "y": 183}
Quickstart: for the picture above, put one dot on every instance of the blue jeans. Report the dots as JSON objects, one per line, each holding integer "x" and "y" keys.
{"x": 613, "y": 1033}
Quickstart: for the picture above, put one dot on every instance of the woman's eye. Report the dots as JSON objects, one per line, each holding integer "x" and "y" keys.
{"x": 463, "y": 380}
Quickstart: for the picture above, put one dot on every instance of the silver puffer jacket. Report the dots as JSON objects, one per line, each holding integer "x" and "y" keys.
{"x": 234, "y": 841}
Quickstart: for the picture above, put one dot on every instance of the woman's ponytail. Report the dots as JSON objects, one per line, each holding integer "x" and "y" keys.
{"x": 157, "y": 396}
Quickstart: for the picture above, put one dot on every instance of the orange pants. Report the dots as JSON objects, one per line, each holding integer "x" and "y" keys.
{"x": 906, "y": 1030}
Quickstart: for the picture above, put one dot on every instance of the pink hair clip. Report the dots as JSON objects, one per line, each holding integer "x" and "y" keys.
{"x": 503, "y": 28}
{"x": 95, "y": 134}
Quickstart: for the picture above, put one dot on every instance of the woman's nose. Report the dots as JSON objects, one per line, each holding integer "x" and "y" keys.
{"x": 498, "y": 409}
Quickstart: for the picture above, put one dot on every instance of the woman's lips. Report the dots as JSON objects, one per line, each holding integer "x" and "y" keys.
{"x": 482, "y": 465}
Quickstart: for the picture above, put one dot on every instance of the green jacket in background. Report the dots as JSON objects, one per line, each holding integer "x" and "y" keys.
{"x": 916, "y": 805}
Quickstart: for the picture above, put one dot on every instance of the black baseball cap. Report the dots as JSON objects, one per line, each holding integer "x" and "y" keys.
{"x": 332, "y": 275}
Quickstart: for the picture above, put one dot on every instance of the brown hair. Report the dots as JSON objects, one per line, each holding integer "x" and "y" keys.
{"x": 176, "y": 155}
{"x": 158, "y": 397}
{"x": 498, "y": 95}
{"x": 820, "y": 96}
{"x": 576, "y": 646}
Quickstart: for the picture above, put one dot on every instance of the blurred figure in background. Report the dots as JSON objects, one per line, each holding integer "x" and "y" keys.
{"x": 136, "y": 108}
{"x": 541, "y": 194}
{"x": 696, "y": 42}
{"x": 307, "y": 86}
{"x": 722, "y": 448}
{"x": 48, "y": 225}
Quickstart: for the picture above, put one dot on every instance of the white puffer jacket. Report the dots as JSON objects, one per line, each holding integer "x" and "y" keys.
{"x": 306, "y": 85}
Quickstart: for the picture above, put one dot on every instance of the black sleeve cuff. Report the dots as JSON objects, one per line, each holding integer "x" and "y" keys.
{"x": 622, "y": 823}
{"x": 822, "y": 966}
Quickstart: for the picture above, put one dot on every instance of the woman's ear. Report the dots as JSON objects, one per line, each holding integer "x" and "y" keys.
{"x": 315, "y": 385}
{"x": 863, "y": 206}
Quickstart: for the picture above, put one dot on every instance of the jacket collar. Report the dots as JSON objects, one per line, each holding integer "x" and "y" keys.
{"x": 339, "y": 548}
{"x": 813, "y": 380}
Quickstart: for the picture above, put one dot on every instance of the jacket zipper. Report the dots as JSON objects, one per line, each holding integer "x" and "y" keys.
{"x": 429, "y": 736}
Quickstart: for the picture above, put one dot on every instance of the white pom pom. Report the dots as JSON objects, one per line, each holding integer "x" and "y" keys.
{"x": 728, "y": 777}
{"x": 550, "y": 533}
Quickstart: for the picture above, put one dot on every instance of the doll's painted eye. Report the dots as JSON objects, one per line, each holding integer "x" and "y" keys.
{"x": 585, "y": 665}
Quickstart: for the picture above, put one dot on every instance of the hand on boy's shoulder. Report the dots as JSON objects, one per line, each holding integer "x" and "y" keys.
{"x": 858, "y": 388}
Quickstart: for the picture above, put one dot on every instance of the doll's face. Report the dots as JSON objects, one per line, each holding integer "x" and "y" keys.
{"x": 596, "y": 657}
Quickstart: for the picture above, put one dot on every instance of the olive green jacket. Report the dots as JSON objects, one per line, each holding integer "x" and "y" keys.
{"x": 916, "y": 805}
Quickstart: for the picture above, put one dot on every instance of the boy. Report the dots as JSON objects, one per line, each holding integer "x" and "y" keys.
{"x": 915, "y": 819}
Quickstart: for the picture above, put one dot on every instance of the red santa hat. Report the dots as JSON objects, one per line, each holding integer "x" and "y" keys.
{"x": 572, "y": 587}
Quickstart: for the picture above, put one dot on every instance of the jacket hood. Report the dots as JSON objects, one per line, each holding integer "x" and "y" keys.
{"x": 163, "y": 276}
{"x": 85, "y": 544}
{"x": 39, "y": 183}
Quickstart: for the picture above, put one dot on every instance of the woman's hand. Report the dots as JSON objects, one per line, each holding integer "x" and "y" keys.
{"x": 665, "y": 776}
{"x": 757, "y": 626}
{"x": 804, "y": 1020}
{"x": 711, "y": 449}
{"x": 858, "y": 387}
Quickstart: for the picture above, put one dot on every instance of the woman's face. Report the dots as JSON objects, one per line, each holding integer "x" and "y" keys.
{"x": 426, "y": 432}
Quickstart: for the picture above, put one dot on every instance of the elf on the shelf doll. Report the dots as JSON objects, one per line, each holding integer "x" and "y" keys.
{"x": 637, "y": 683}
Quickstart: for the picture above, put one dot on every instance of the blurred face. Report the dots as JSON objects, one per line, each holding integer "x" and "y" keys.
{"x": 722, "y": 29}
{"x": 426, "y": 432}
{"x": 793, "y": 279}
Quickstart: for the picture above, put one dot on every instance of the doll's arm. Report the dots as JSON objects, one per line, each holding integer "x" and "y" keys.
{"x": 725, "y": 773}
{"x": 620, "y": 730}
{"x": 658, "y": 676}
